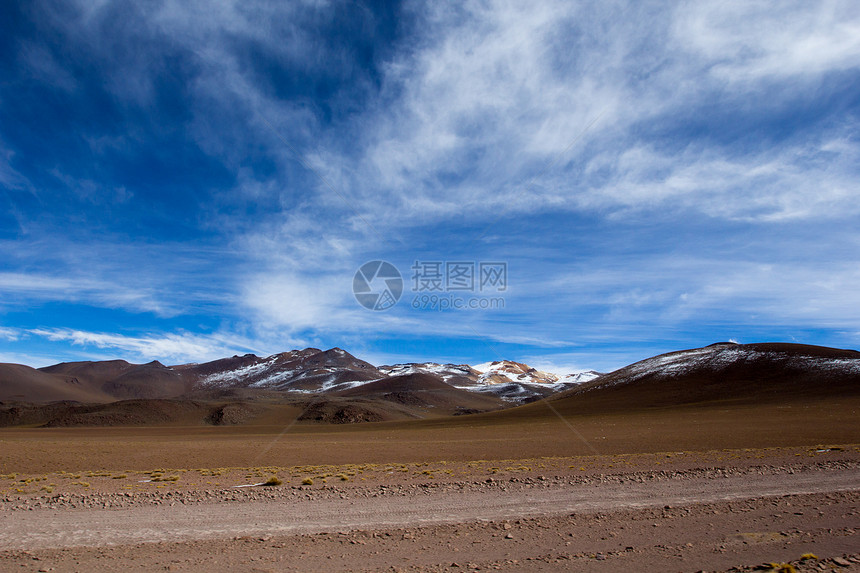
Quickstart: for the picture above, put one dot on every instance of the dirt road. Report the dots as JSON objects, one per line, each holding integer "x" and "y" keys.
{"x": 608, "y": 522}
{"x": 97, "y": 527}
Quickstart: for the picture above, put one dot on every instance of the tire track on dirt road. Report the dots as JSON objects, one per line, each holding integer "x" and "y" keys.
{"x": 72, "y": 527}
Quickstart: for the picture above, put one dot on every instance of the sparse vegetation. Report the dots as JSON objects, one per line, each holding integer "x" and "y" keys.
{"x": 272, "y": 481}
{"x": 307, "y": 481}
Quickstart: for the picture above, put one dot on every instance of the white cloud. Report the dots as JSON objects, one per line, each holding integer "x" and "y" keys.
{"x": 486, "y": 95}
{"x": 301, "y": 301}
{"x": 27, "y": 359}
{"x": 668, "y": 292}
{"x": 810, "y": 181}
{"x": 9, "y": 334}
{"x": 494, "y": 93}
{"x": 780, "y": 293}
{"x": 168, "y": 347}
{"x": 482, "y": 105}
{"x": 112, "y": 294}
{"x": 750, "y": 41}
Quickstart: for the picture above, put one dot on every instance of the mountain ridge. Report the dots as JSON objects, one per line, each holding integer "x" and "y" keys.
{"x": 307, "y": 371}
{"x": 333, "y": 386}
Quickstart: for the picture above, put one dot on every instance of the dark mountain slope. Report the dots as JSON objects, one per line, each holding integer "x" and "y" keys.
{"x": 721, "y": 373}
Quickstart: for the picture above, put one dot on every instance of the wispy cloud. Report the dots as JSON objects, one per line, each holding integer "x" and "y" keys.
{"x": 168, "y": 347}
{"x": 25, "y": 287}
{"x": 755, "y": 41}
{"x": 9, "y": 334}
{"x": 485, "y": 97}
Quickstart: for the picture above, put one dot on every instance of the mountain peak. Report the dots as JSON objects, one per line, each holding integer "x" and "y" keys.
{"x": 505, "y": 371}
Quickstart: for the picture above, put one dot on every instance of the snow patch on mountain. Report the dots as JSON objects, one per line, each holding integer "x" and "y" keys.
{"x": 579, "y": 377}
{"x": 229, "y": 377}
{"x": 718, "y": 356}
{"x": 446, "y": 371}
{"x": 274, "y": 379}
{"x": 510, "y": 392}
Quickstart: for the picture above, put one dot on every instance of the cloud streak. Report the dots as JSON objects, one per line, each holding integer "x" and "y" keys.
{"x": 170, "y": 347}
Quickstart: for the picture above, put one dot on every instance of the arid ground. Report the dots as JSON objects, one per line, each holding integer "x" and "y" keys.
{"x": 706, "y": 487}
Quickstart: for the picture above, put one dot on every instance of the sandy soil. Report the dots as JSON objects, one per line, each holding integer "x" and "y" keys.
{"x": 533, "y": 491}
{"x": 720, "y": 536}
{"x": 527, "y": 433}
{"x": 700, "y": 511}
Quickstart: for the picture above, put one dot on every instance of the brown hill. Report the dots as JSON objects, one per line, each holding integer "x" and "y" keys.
{"x": 152, "y": 380}
{"x": 101, "y": 371}
{"x": 120, "y": 380}
{"x": 24, "y": 384}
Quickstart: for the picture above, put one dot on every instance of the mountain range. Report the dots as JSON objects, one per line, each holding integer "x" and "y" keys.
{"x": 308, "y": 371}
{"x": 335, "y": 386}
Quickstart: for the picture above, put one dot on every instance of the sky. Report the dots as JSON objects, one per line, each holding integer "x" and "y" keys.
{"x": 573, "y": 184}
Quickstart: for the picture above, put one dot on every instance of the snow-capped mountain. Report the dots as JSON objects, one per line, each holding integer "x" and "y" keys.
{"x": 723, "y": 356}
{"x": 726, "y": 372}
{"x": 518, "y": 382}
{"x": 507, "y": 371}
{"x": 451, "y": 373}
{"x": 308, "y": 370}
{"x": 343, "y": 387}
{"x": 315, "y": 371}
{"x": 506, "y": 379}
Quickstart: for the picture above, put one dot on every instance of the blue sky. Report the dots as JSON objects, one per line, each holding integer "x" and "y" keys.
{"x": 182, "y": 180}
